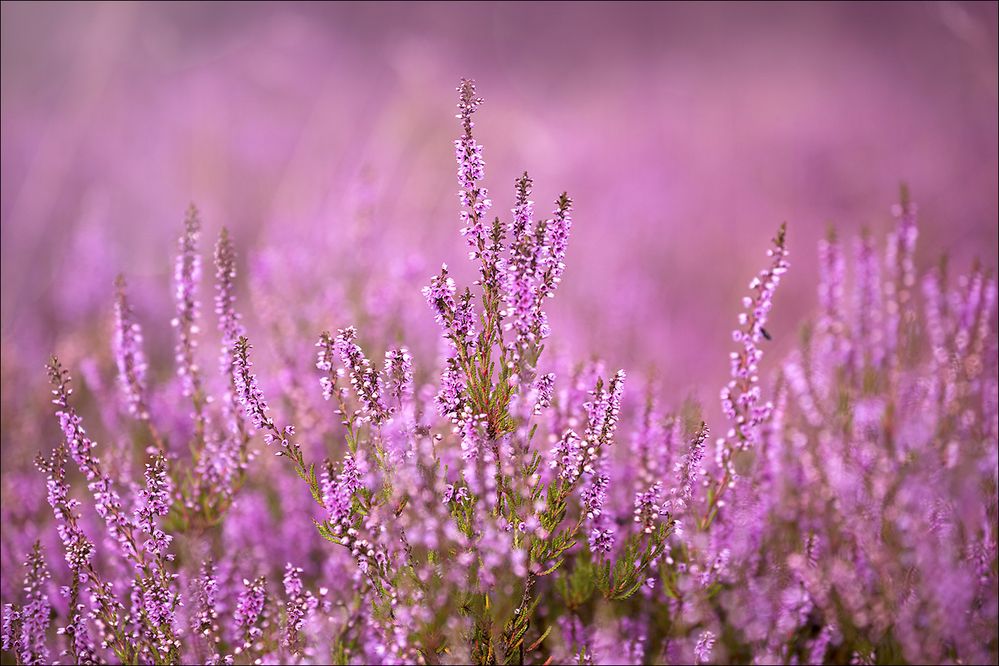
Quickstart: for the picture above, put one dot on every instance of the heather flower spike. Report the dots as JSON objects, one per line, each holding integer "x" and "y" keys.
{"x": 186, "y": 278}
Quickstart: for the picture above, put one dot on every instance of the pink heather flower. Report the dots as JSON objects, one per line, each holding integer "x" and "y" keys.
{"x": 553, "y": 239}
{"x": 232, "y": 330}
{"x": 337, "y": 498}
{"x": 364, "y": 378}
{"x": 249, "y": 608}
{"x": 471, "y": 169}
{"x": 158, "y": 605}
{"x": 131, "y": 360}
{"x": 463, "y": 325}
{"x": 11, "y": 632}
{"x": 601, "y": 540}
{"x": 206, "y": 589}
{"x": 595, "y": 495}
{"x": 399, "y": 375}
{"x": 186, "y": 277}
{"x": 832, "y": 282}
{"x": 225, "y": 299}
{"x": 544, "y": 388}
{"x": 900, "y": 265}
{"x": 325, "y": 358}
{"x": 338, "y": 494}
{"x": 686, "y": 471}
{"x": 457, "y": 495}
{"x": 558, "y": 242}
{"x": 450, "y": 396}
{"x": 248, "y": 394}
{"x": 77, "y": 548}
{"x": 705, "y": 643}
{"x": 155, "y": 501}
{"x": 521, "y": 271}
{"x": 80, "y": 448}
{"x": 82, "y": 648}
{"x": 568, "y": 457}
{"x": 867, "y": 307}
{"x": 440, "y": 296}
{"x": 25, "y": 626}
{"x": 648, "y": 508}
{"x": 602, "y": 413}
{"x": 298, "y": 606}
{"x": 741, "y": 396}
{"x": 219, "y": 465}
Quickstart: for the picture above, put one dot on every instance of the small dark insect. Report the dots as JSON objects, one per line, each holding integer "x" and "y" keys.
{"x": 765, "y": 334}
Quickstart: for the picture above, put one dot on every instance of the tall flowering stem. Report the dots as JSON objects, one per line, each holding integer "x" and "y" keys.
{"x": 364, "y": 378}
{"x": 552, "y": 261}
{"x": 255, "y": 408}
{"x": 900, "y": 265}
{"x": 153, "y": 582}
{"x": 231, "y": 327}
{"x": 78, "y": 550}
{"x": 832, "y": 282}
{"x": 25, "y": 626}
{"x": 186, "y": 277}
{"x": 741, "y": 398}
{"x": 330, "y": 384}
{"x": 521, "y": 276}
{"x": 131, "y": 360}
{"x": 474, "y": 198}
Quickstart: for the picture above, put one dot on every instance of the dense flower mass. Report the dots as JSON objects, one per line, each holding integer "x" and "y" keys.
{"x": 474, "y": 498}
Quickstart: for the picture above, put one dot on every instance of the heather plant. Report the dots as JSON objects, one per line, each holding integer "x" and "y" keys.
{"x": 490, "y": 499}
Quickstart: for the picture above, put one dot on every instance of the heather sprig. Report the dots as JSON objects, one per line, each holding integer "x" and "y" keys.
{"x": 129, "y": 354}
{"x": 25, "y": 625}
{"x": 152, "y": 581}
{"x": 186, "y": 278}
{"x": 131, "y": 360}
{"x": 742, "y": 397}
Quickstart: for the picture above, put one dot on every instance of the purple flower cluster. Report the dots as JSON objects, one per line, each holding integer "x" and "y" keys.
{"x": 365, "y": 380}
{"x": 25, "y": 627}
{"x": 468, "y": 496}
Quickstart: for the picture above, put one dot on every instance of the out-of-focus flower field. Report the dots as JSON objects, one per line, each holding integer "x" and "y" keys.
{"x": 708, "y": 374}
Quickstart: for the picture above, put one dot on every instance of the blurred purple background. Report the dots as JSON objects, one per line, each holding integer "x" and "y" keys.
{"x": 685, "y": 133}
